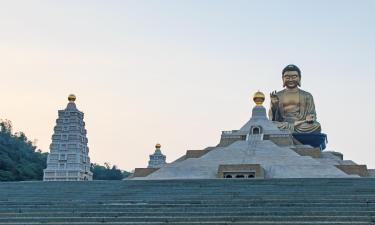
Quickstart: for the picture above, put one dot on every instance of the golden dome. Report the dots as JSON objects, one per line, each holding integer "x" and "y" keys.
{"x": 71, "y": 98}
{"x": 157, "y": 145}
{"x": 259, "y": 98}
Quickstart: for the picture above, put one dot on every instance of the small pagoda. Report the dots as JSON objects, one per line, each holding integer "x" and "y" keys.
{"x": 157, "y": 160}
{"x": 68, "y": 159}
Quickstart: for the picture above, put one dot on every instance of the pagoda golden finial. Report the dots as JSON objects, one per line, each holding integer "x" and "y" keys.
{"x": 259, "y": 98}
{"x": 71, "y": 98}
{"x": 158, "y": 146}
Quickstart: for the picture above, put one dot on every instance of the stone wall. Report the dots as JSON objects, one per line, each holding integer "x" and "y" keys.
{"x": 280, "y": 140}
{"x": 228, "y": 139}
{"x": 197, "y": 153}
{"x": 360, "y": 170}
{"x": 194, "y": 154}
{"x": 143, "y": 172}
{"x": 240, "y": 168}
{"x": 313, "y": 152}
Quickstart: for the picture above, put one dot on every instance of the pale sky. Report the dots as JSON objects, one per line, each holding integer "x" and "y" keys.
{"x": 180, "y": 72}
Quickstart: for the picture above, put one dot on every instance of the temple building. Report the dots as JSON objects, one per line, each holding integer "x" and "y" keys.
{"x": 260, "y": 150}
{"x": 157, "y": 160}
{"x": 68, "y": 159}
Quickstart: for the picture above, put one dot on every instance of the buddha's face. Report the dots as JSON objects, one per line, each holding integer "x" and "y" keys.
{"x": 291, "y": 79}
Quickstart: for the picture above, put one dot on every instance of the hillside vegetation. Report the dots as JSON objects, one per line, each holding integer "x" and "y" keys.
{"x": 20, "y": 160}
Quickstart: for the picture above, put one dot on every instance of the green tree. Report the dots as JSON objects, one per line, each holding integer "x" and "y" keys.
{"x": 19, "y": 159}
{"x": 107, "y": 172}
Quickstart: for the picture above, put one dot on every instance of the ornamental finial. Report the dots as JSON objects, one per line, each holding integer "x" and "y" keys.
{"x": 259, "y": 98}
{"x": 71, "y": 98}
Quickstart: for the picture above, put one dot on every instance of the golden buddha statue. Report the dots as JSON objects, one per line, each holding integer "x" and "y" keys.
{"x": 293, "y": 108}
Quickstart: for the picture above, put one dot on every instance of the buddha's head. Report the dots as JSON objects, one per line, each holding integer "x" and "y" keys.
{"x": 291, "y": 76}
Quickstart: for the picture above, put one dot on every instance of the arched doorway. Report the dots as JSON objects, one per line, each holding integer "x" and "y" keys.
{"x": 256, "y": 130}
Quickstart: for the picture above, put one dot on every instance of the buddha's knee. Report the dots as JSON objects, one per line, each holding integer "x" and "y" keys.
{"x": 308, "y": 128}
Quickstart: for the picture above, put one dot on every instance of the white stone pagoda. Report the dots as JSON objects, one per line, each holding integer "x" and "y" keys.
{"x": 157, "y": 160}
{"x": 68, "y": 159}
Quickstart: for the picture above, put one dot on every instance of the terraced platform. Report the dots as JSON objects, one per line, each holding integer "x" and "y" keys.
{"x": 276, "y": 201}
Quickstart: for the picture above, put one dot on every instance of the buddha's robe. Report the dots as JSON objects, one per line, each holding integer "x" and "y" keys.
{"x": 291, "y": 111}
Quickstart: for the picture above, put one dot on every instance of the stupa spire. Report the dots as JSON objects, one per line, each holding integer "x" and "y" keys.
{"x": 259, "y": 98}
{"x": 72, "y": 105}
{"x": 72, "y": 98}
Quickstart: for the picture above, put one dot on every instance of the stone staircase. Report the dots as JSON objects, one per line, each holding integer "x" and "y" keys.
{"x": 216, "y": 201}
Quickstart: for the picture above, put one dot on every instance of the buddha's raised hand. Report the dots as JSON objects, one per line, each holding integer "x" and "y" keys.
{"x": 274, "y": 98}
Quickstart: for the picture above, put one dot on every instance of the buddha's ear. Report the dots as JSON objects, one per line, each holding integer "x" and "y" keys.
{"x": 299, "y": 81}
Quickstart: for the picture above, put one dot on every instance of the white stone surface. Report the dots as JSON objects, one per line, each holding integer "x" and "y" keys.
{"x": 277, "y": 162}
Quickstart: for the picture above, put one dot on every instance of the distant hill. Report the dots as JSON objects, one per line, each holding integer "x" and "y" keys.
{"x": 20, "y": 160}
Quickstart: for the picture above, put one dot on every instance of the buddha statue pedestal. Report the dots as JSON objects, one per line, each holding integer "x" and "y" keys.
{"x": 318, "y": 140}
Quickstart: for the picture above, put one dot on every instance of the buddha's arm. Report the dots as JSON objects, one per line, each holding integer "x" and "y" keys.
{"x": 309, "y": 119}
{"x": 273, "y": 112}
{"x": 297, "y": 123}
{"x": 270, "y": 114}
{"x": 309, "y": 108}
